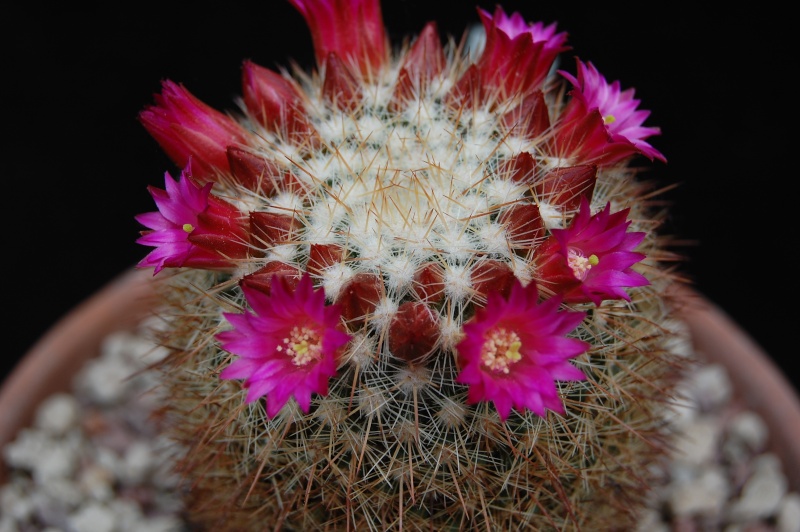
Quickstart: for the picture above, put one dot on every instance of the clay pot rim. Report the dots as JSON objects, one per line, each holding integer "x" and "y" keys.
{"x": 75, "y": 338}
{"x": 757, "y": 381}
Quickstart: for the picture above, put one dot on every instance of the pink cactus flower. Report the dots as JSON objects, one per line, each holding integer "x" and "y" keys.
{"x": 187, "y": 128}
{"x": 288, "y": 345}
{"x": 192, "y": 228}
{"x": 516, "y": 59}
{"x": 515, "y": 349}
{"x": 591, "y": 260}
{"x": 602, "y": 123}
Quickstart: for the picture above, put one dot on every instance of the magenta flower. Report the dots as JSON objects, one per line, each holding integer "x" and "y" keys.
{"x": 192, "y": 228}
{"x": 287, "y": 346}
{"x": 515, "y": 349}
{"x": 515, "y": 26}
{"x": 352, "y": 29}
{"x": 602, "y": 123}
{"x": 516, "y": 59}
{"x": 187, "y": 128}
{"x": 592, "y": 259}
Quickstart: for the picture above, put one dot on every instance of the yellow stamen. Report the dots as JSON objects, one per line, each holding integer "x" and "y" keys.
{"x": 609, "y": 119}
{"x": 188, "y": 228}
{"x": 501, "y": 350}
{"x": 512, "y": 353}
{"x": 301, "y": 348}
{"x": 580, "y": 264}
{"x": 303, "y": 344}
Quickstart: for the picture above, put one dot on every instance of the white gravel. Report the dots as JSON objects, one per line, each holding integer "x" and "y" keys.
{"x": 93, "y": 462}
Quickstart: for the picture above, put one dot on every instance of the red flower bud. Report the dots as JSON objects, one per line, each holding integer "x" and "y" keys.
{"x": 425, "y": 61}
{"x": 340, "y": 88}
{"x": 254, "y": 172}
{"x": 276, "y": 103}
{"x": 261, "y": 279}
{"x": 515, "y": 62}
{"x": 565, "y": 187}
{"x": 529, "y": 119}
{"x": 414, "y": 332}
{"x": 270, "y": 229}
{"x": 221, "y": 228}
{"x": 353, "y": 29}
{"x": 429, "y": 282}
{"x": 519, "y": 169}
{"x": 492, "y": 276}
{"x": 322, "y": 256}
{"x": 359, "y": 297}
{"x": 523, "y": 224}
{"x": 466, "y": 93}
{"x": 188, "y": 129}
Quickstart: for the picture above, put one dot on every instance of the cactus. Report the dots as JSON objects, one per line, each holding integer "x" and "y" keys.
{"x": 418, "y": 287}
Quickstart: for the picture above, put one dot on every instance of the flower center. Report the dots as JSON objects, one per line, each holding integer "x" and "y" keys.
{"x": 303, "y": 344}
{"x": 501, "y": 350}
{"x": 581, "y": 264}
{"x": 188, "y": 228}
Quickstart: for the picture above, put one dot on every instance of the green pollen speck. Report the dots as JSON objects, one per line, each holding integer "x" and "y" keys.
{"x": 188, "y": 228}
{"x": 594, "y": 260}
{"x": 609, "y": 119}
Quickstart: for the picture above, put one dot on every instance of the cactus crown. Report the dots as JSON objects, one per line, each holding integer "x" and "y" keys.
{"x": 414, "y": 288}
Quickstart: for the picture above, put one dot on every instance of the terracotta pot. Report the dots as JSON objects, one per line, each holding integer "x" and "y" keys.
{"x": 757, "y": 381}
{"x": 49, "y": 366}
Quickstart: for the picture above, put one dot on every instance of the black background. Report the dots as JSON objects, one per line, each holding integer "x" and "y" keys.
{"x": 77, "y": 161}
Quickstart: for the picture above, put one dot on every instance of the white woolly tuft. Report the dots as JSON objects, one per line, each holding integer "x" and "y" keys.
{"x": 457, "y": 283}
{"x": 552, "y": 217}
{"x": 383, "y": 314}
{"x": 283, "y": 253}
{"x": 450, "y": 333}
{"x": 399, "y": 273}
{"x": 334, "y": 278}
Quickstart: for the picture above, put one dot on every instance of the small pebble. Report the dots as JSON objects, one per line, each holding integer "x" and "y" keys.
{"x": 15, "y": 503}
{"x": 788, "y": 519}
{"x": 104, "y": 381}
{"x": 97, "y": 482}
{"x": 138, "y": 462}
{"x": 748, "y": 428}
{"x": 763, "y": 492}
{"x": 57, "y": 414}
{"x": 698, "y": 442}
{"x": 60, "y": 461}
{"x": 705, "y": 494}
{"x": 25, "y": 451}
{"x": 94, "y": 517}
{"x": 64, "y": 491}
{"x": 712, "y": 387}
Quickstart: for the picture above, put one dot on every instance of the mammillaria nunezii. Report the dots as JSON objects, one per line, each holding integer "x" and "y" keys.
{"x": 417, "y": 287}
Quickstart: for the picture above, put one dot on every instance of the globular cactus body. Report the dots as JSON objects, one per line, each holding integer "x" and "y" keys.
{"x": 402, "y": 290}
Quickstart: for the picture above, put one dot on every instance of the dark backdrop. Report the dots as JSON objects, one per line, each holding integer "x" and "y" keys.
{"x": 77, "y": 161}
